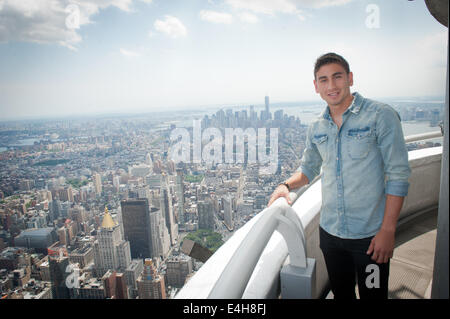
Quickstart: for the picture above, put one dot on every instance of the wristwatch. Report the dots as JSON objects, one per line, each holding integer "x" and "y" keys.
{"x": 285, "y": 184}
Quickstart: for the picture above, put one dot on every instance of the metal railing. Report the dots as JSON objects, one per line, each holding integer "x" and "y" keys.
{"x": 422, "y": 136}
{"x": 279, "y": 216}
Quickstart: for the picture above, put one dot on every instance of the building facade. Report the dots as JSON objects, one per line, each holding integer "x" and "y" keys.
{"x": 136, "y": 225}
{"x": 150, "y": 283}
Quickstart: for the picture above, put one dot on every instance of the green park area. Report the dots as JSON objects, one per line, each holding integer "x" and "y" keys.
{"x": 207, "y": 238}
{"x": 77, "y": 183}
{"x": 193, "y": 178}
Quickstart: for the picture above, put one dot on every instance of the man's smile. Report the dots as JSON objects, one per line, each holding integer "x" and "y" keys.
{"x": 333, "y": 94}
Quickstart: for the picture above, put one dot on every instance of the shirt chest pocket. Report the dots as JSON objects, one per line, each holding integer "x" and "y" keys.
{"x": 321, "y": 142}
{"x": 359, "y": 142}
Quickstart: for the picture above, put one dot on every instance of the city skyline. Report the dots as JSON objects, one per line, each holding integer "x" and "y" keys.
{"x": 133, "y": 56}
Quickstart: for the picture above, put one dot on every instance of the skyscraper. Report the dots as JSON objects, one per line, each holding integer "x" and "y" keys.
{"x": 228, "y": 212}
{"x": 278, "y": 115}
{"x": 180, "y": 195}
{"x": 178, "y": 268}
{"x": 54, "y": 209}
{"x": 267, "y": 111}
{"x": 66, "y": 194}
{"x": 150, "y": 283}
{"x": 205, "y": 214}
{"x": 132, "y": 274}
{"x": 121, "y": 286}
{"x": 111, "y": 251}
{"x": 116, "y": 183}
{"x": 57, "y": 269}
{"x": 115, "y": 285}
{"x": 159, "y": 233}
{"x": 97, "y": 183}
{"x": 148, "y": 160}
{"x": 167, "y": 209}
{"x": 136, "y": 225}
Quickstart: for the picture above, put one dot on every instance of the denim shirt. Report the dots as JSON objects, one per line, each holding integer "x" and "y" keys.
{"x": 361, "y": 162}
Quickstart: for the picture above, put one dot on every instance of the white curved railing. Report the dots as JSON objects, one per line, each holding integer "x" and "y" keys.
{"x": 249, "y": 263}
{"x": 279, "y": 216}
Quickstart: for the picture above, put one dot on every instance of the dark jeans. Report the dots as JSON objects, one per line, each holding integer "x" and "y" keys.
{"x": 346, "y": 259}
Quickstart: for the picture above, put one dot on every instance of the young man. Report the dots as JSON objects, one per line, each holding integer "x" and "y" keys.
{"x": 360, "y": 147}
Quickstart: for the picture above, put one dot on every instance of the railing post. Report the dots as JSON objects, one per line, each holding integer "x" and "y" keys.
{"x": 298, "y": 277}
{"x": 297, "y": 282}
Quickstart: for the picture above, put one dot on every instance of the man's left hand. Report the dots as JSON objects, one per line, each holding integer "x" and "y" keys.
{"x": 382, "y": 246}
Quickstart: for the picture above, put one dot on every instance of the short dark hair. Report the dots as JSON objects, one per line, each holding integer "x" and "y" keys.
{"x": 328, "y": 58}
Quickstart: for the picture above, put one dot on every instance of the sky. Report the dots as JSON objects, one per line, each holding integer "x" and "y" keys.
{"x": 67, "y": 57}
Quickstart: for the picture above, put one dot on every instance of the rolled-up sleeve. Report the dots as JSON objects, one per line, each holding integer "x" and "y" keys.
{"x": 311, "y": 160}
{"x": 392, "y": 145}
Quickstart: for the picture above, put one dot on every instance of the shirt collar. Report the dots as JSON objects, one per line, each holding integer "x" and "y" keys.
{"x": 354, "y": 107}
{"x": 356, "y": 103}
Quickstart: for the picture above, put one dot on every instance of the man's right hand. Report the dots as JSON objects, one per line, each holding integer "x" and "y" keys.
{"x": 280, "y": 191}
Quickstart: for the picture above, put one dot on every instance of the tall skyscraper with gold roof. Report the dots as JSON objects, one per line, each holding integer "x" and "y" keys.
{"x": 111, "y": 251}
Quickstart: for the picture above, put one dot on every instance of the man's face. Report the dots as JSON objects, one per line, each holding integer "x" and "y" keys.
{"x": 333, "y": 84}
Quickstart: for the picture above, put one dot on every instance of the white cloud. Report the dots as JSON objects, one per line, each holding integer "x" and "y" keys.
{"x": 321, "y": 3}
{"x": 216, "y": 17}
{"x": 129, "y": 54}
{"x": 52, "y": 21}
{"x": 171, "y": 26}
{"x": 269, "y": 7}
{"x": 248, "y": 17}
{"x": 273, "y": 7}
